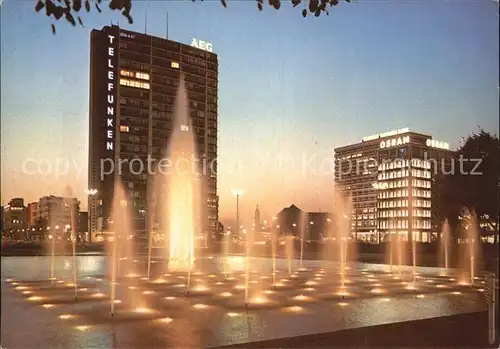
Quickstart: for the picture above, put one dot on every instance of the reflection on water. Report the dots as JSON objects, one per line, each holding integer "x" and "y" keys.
{"x": 211, "y": 325}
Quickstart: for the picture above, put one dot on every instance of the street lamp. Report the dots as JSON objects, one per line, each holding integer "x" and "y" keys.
{"x": 237, "y": 192}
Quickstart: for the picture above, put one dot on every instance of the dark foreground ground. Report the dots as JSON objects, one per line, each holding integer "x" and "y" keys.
{"x": 457, "y": 331}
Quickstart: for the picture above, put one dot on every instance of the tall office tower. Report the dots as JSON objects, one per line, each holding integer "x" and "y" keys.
{"x": 393, "y": 181}
{"x": 134, "y": 80}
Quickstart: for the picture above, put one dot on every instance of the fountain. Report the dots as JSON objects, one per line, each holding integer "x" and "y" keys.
{"x": 121, "y": 240}
{"x": 342, "y": 212}
{"x": 445, "y": 243}
{"x": 414, "y": 258}
{"x": 181, "y": 185}
{"x": 303, "y": 223}
{"x": 289, "y": 247}
{"x": 471, "y": 227}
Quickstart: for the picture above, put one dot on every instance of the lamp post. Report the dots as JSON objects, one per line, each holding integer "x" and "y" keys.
{"x": 237, "y": 192}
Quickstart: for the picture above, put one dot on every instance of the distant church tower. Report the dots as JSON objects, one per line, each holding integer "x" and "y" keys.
{"x": 256, "y": 219}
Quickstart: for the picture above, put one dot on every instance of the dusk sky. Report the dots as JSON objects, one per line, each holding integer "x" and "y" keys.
{"x": 289, "y": 88}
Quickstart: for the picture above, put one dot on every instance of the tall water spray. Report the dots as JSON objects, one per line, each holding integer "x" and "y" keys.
{"x": 445, "y": 244}
{"x": 342, "y": 213}
{"x": 181, "y": 182}
{"x": 289, "y": 240}
{"x": 122, "y": 243}
{"x": 274, "y": 241}
{"x": 68, "y": 203}
{"x": 414, "y": 258}
{"x": 304, "y": 226}
{"x": 472, "y": 241}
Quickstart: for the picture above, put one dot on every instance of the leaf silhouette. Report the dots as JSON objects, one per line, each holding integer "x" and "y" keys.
{"x": 98, "y": 8}
{"x": 87, "y": 5}
{"x": 295, "y": 2}
{"x": 39, "y": 5}
{"x": 304, "y": 13}
{"x": 80, "y": 21}
{"x": 53, "y": 29}
{"x": 223, "y": 2}
{"x": 259, "y": 6}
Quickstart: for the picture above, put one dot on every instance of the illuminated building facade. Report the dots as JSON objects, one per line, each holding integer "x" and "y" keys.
{"x": 133, "y": 86}
{"x": 15, "y": 217}
{"x": 392, "y": 180}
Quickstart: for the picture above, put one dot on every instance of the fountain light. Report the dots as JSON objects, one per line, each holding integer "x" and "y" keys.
{"x": 82, "y": 327}
{"x": 98, "y": 279}
{"x": 83, "y": 289}
{"x": 48, "y": 306}
{"x": 117, "y": 301}
{"x": 22, "y": 287}
{"x": 385, "y": 299}
{"x": 265, "y": 277}
{"x": 441, "y": 286}
{"x": 14, "y": 284}
{"x": 239, "y": 287}
{"x": 166, "y": 320}
{"x": 254, "y": 282}
{"x": 308, "y": 289}
{"x": 200, "y": 288}
{"x": 420, "y": 296}
{"x": 231, "y": 278}
{"x": 144, "y": 278}
{"x": 142, "y": 310}
{"x": 8, "y": 280}
{"x": 311, "y": 283}
{"x": 463, "y": 283}
{"x": 180, "y": 285}
{"x": 197, "y": 273}
{"x": 430, "y": 281}
{"x": 132, "y": 287}
{"x": 284, "y": 280}
{"x": 294, "y": 308}
{"x": 35, "y": 298}
{"x": 318, "y": 278}
{"x": 212, "y": 276}
{"x": 219, "y": 283}
{"x": 131, "y": 275}
{"x": 66, "y": 316}
{"x": 233, "y": 314}
{"x": 343, "y": 304}
{"x": 169, "y": 298}
{"x": 268, "y": 292}
{"x": 278, "y": 284}
{"x": 377, "y": 291}
{"x": 60, "y": 282}
{"x": 456, "y": 293}
{"x": 27, "y": 292}
{"x": 451, "y": 279}
{"x": 167, "y": 274}
{"x": 70, "y": 284}
{"x": 98, "y": 295}
{"x": 258, "y": 300}
{"x": 226, "y": 294}
{"x": 147, "y": 292}
{"x": 410, "y": 287}
{"x": 301, "y": 297}
{"x": 200, "y": 306}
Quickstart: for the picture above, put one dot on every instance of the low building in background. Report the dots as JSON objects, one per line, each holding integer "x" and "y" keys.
{"x": 83, "y": 226}
{"x": 32, "y": 214}
{"x": 15, "y": 219}
{"x": 313, "y": 226}
{"x": 59, "y": 214}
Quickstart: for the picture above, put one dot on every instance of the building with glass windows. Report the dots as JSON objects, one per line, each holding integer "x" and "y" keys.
{"x": 393, "y": 181}
{"x": 133, "y": 85}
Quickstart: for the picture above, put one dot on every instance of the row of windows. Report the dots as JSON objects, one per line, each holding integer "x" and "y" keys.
{"x": 421, "y": 213}
{"x": 392, "y": 204}
{"x": 134, "y": 83}
{"x": 393, "y": 194}
{"x": 421, "y": 203}
{"x": 393, "y": 213}
{"x": 421, "y": 173}
{"x": 421, "y": 193}
{"x": 420, "y": 183}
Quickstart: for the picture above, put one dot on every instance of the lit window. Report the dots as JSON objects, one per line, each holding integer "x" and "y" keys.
{"x": 126, "y": 73}
{"x": 174, "y": 65}
{"x": 142, "y": 76}
{"x": 132, "y": 83}
{"x": 124, "y": 128}
{"x": 184, "y": 128}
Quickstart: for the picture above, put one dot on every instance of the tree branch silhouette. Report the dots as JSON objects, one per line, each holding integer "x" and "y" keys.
{"x": 69, "y": 9}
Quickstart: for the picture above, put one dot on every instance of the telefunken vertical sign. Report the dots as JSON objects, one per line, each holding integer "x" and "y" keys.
{"x": 111, "y": 93}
